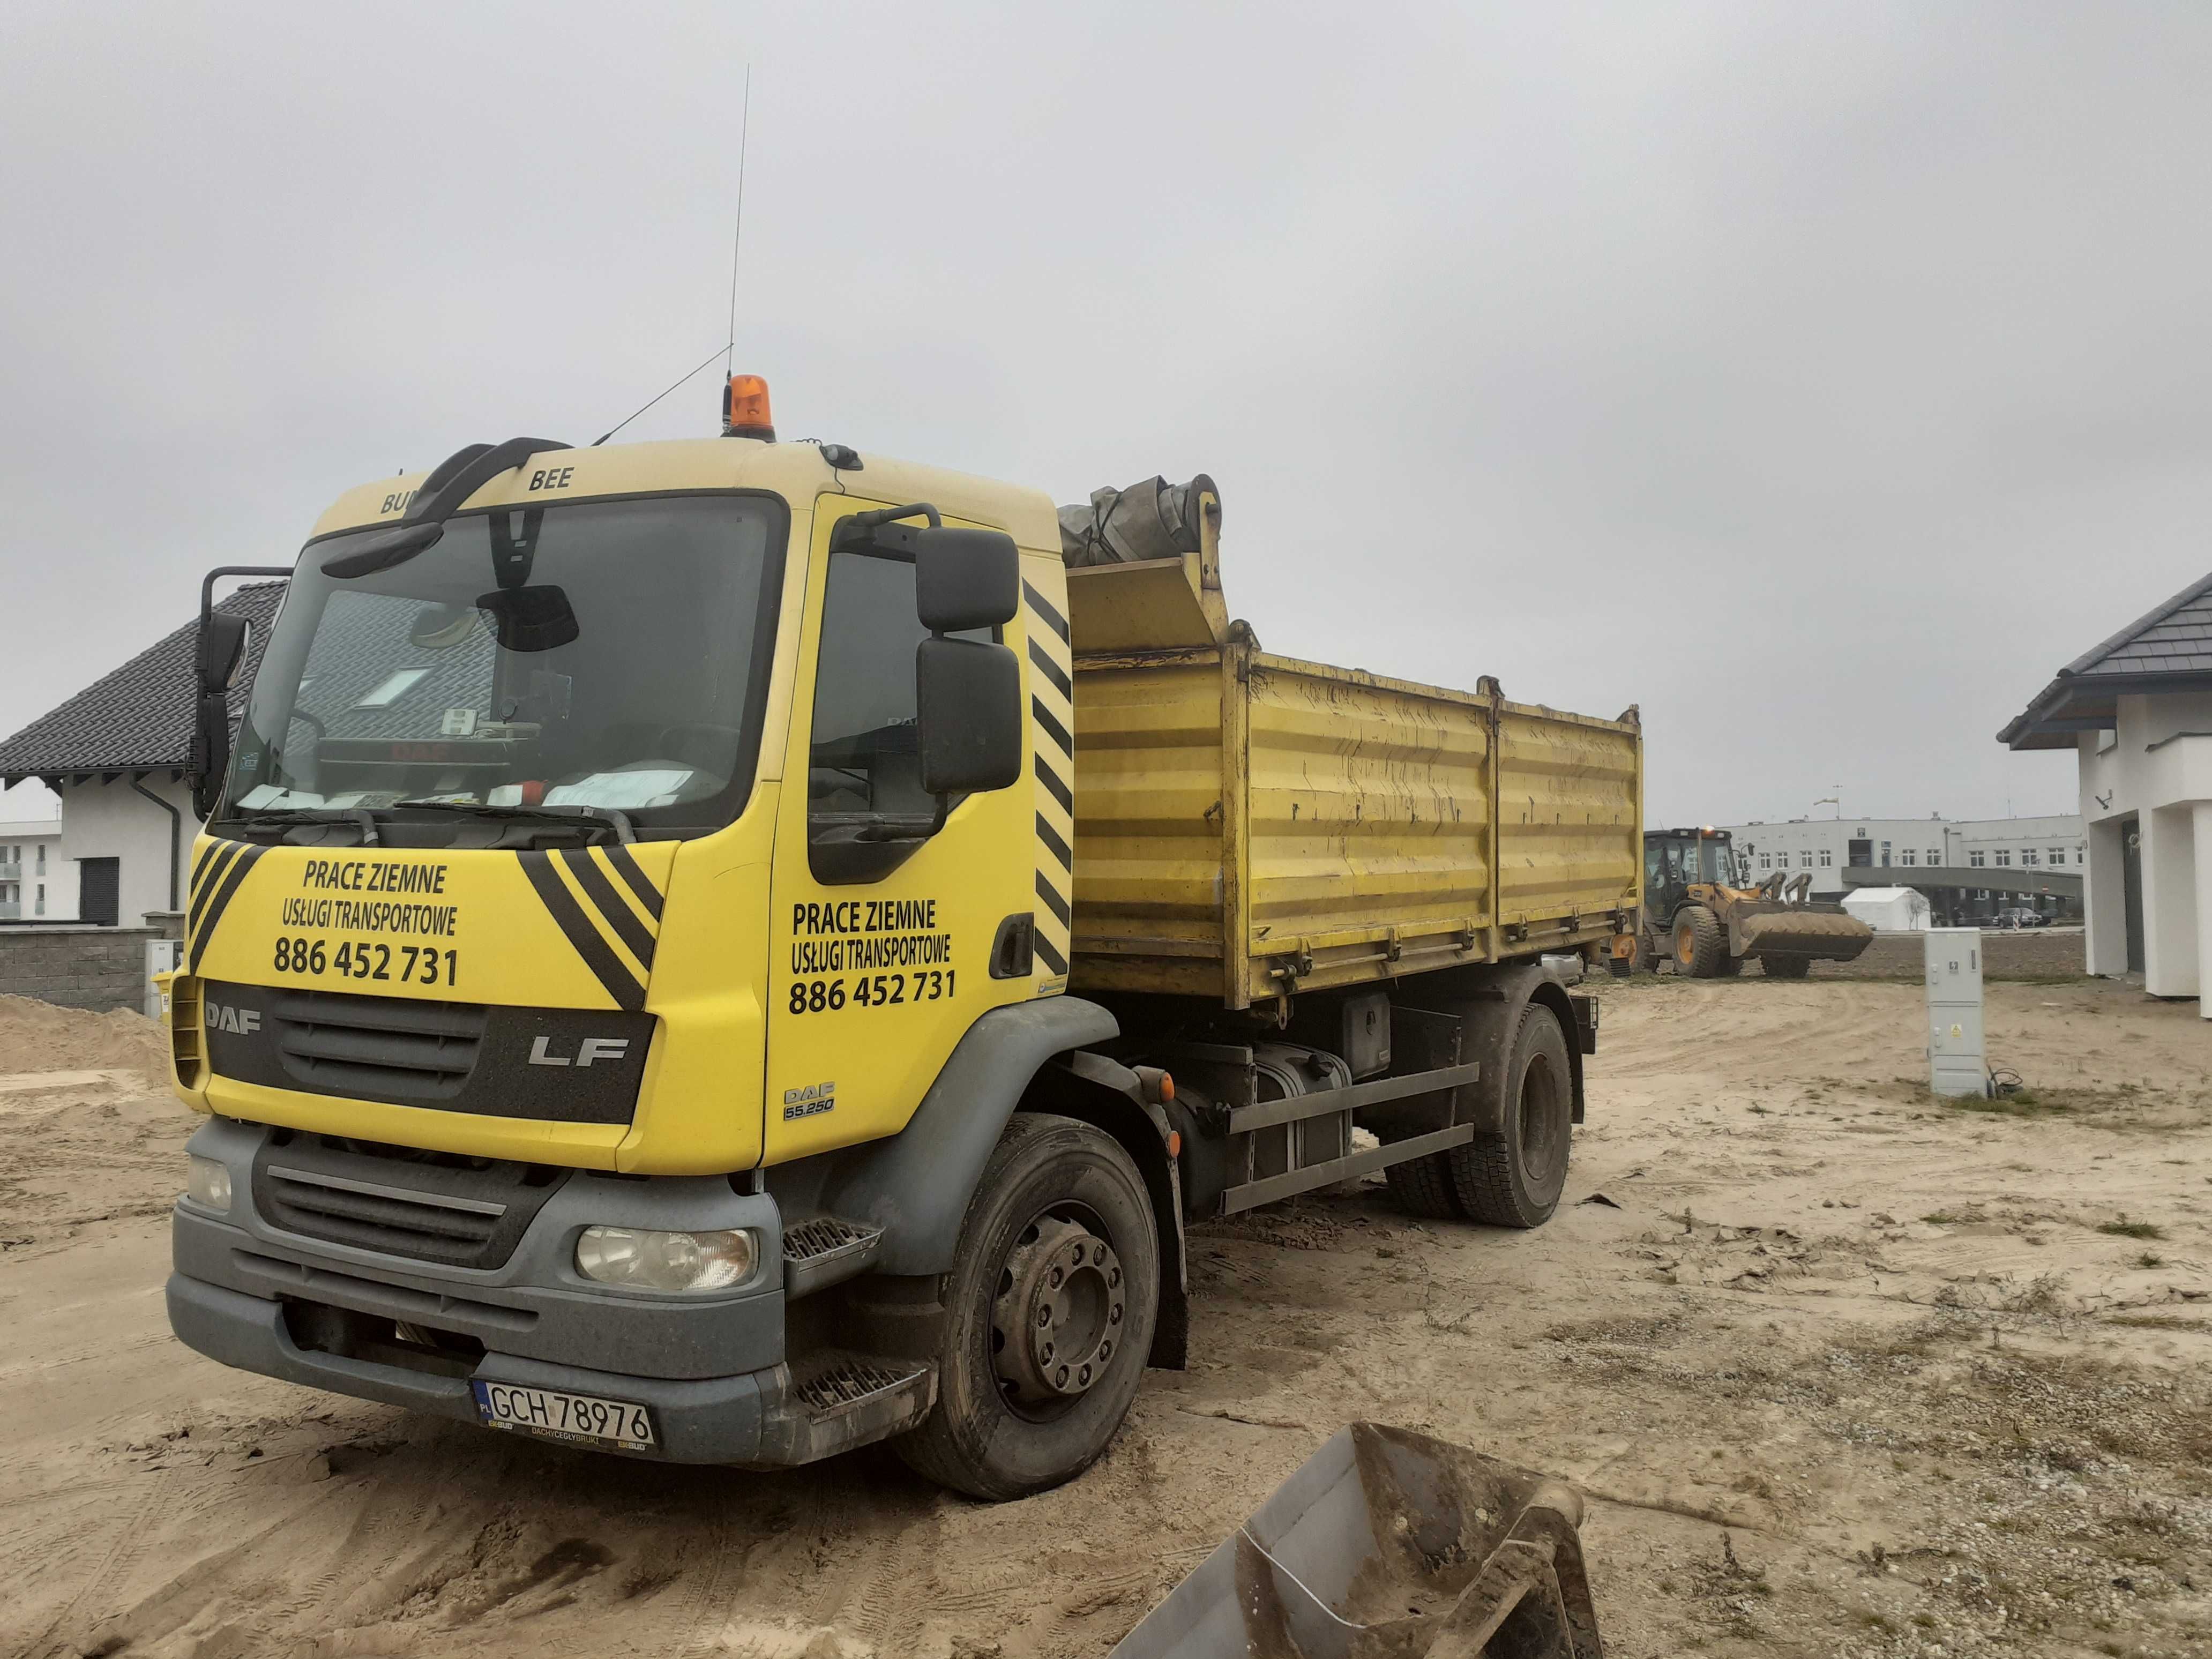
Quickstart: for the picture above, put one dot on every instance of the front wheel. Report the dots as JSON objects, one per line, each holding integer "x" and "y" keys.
{"x": 1050, "y": 1309}
{"x": 1699, "y": 947}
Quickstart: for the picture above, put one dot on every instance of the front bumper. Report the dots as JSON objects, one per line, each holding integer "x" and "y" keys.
{"x": 708, "y": 1421}
{"x": 713, "y": 1370}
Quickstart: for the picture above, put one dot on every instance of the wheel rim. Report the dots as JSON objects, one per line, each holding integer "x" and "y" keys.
{"x": 1056, "y": 1322}
{"x": 1539, "y": 1120}
{"x": 1686, "y": 945}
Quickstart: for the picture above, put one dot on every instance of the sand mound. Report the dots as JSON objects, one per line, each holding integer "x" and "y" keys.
{"x": 37, "y": 1036}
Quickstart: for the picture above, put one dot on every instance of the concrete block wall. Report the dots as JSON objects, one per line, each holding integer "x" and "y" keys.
{"x": 95, "y": 968}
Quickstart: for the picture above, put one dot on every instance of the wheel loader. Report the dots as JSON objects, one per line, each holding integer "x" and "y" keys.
{"x": 1699, "y": 909}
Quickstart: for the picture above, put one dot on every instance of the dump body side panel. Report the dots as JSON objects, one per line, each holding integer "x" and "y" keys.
{"x": 1335, "y": 827}
{"x": 1151, "y": 842}
{"x": 1368, "y": 812}
{"x": 1570, "y": 834}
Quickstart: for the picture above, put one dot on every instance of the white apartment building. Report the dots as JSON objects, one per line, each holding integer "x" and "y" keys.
{"x": 35, "y": 882}
{"x": 1929, "y": 851}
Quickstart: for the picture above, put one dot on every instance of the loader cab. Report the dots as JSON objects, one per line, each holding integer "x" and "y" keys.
{"x": 1675, "y": 858}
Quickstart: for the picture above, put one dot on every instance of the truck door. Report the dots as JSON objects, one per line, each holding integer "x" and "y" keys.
{"x": 882, "y": 932}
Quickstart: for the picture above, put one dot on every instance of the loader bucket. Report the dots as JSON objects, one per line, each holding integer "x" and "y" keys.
{"x": 1388, "y": 1545}
{"x": 1821, "y": 933}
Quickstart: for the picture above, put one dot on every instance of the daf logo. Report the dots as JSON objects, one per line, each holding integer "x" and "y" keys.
{"x": 809, "y": 1101}
{"x": 244, "y": 1021}
{"x": 587, "y": 1051}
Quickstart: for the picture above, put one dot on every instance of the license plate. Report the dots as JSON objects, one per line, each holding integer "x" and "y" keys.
{"x": 560, "y": 1415}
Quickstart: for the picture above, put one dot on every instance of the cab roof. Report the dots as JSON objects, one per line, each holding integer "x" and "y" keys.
{"x": 794, "y": 472}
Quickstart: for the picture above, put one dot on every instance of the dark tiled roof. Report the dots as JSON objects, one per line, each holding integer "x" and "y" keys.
{"x": 2174, "y": 639}
{"x": 2170, "y": 649}
{"x": 140, "y": 716}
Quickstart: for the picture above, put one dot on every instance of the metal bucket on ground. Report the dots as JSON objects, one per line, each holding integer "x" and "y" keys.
{"x": 1388, "y": 1545}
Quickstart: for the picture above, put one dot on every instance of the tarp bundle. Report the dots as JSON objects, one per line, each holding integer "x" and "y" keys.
{"x": 1154, "y": 519}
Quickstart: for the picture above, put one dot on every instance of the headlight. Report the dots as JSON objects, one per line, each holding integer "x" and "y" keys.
{"x": 207, "y": 1182}
{"x": 647, "y": 1261}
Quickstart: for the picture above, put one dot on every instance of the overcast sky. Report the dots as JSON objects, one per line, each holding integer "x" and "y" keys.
{"x": 1818, "y": 378}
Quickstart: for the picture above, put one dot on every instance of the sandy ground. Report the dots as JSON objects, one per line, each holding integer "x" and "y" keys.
{"x": 1843, "y": 1372}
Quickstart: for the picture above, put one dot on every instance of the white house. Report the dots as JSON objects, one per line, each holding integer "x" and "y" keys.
{"x": 2137, "y": 711}
{"x": 1968, "y": 869}
{"x": 116, "y": 754}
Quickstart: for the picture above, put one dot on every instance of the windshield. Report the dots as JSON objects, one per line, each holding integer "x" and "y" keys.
{"x": 611, "y": 654}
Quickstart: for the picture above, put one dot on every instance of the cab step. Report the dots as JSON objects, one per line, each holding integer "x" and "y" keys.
{"x": 824, "y": 1250}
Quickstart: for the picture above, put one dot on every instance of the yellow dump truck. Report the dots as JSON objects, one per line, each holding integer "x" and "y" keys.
{"x": 727, "y": 950}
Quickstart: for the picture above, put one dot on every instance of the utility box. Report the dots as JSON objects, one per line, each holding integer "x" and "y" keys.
{"x": 1956, "y": 1065}
{"x": 163, "y": 956}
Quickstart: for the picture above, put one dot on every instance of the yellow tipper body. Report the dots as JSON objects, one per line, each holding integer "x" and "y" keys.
{"x": 762, "y": 984}
{"x": 1250, "y": 825}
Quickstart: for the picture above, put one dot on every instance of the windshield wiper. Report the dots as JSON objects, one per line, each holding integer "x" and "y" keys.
{"x": 609, "y": 815}
{"x": 269, "y": 823}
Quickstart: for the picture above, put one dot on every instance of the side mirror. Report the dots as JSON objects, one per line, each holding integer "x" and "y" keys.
{"x": 222, "y": 643}
{"x": 211, "y": 756}
{"x": 968, "y": 699}
{"x": 965, "y": 579}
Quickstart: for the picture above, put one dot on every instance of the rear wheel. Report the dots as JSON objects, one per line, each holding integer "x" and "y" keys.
{"x": 1778, "y": 965}
{"x": 1049, "y": 1312}
{"x": 1515, "y": 1180}
{"x": 1647, "y": 950}
{"x": 1699, "y": 950}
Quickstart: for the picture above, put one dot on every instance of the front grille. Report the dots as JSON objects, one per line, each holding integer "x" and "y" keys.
{"x": 461, "y": 1212}
{"x": 389, "y": 1048}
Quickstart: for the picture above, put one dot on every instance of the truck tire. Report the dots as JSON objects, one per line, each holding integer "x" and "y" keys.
{"x": 1423, "y": 1187}
{"x": 1515, "y": 1180}
{"x": 1700, "y": 948}
{"x": 1780, "y": 965}
{"x": 1050, "y": 1309}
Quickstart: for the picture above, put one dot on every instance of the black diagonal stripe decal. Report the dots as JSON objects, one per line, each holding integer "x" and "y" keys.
{"x": 1042, "y": 606}
{"x": 210, "y": 878}
{"x": 1053, "y": 900}
{"x": 204, "y": 861}
{"x": 1045, "y": 948}
{"x": 1053, "y": 729}
{"x": 1050, "y": 837}
{"x": 231, "y": 880}
{"x": 635, "y": 880}
{"x": 568, "y": 916}
{"x": 1052, "y": 671}
{"x": 601, "y": 892}
{"x": 1050, "y": 779}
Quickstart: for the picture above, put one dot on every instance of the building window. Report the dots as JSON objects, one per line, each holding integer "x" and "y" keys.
{"x": 1827, "y": 857}
{"x": 1885, "y": 855}
{"x": 1766, "y": 861}
{"x": 2028, "y": 858}
{"x": 1975, "y": 858}
{"x": 2057, "y": 856}
{"x": 42, "y": 909}
{"x": 1908, "y": 857}
{"x": 2004, "y": 858}
{"x": 42, "y": 858}
{"x": 1805, "y": 858}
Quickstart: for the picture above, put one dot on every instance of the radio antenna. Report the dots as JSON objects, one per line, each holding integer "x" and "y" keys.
{"x": 737, "y": 237}
{"x": 736, "y": 240}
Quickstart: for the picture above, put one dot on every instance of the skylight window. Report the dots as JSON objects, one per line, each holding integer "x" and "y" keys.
{"x": 391, "y": 689}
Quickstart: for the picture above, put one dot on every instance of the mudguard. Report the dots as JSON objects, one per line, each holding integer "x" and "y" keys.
{"x": 915, "y": 1185}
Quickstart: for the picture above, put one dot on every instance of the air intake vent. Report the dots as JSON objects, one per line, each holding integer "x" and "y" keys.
{"x": 389, "y": 1048}
{"x": 459, "y": 1212}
